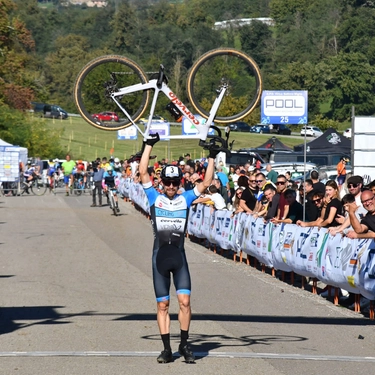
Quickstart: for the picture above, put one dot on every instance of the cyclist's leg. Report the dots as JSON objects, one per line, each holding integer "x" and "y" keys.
{"x": 162, "y": 284}
{"x": 71, "y": 182}
{"x": 66, "y": 182}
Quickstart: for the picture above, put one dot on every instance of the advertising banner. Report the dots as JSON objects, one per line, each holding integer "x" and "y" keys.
{"x": 284, "y": 107}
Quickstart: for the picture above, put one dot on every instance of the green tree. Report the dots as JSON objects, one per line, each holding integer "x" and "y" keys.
{"x": 62, "y": 67}
{"x": 297, "y": 76}
{"x": 350, "y": 81}
{"x": 15, "y": 42}
{"x": 19, "y": 129}
{"x": 324, "y": 123}
{"x": 256, "y": 40}
{"x": 356, "y": 32}
{"x": 124, "y": 27}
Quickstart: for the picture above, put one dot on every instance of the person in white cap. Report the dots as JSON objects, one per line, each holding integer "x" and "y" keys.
{"x": 117, "y": 167}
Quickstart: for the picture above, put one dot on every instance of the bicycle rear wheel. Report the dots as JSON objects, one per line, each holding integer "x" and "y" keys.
{"x": 38, "y": 187}
{"x": 113, "y": 204}
{"x": 94, "y": 85}
{"x": 230, "y": 67}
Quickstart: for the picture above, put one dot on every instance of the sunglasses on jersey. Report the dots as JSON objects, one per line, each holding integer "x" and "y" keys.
{"x": 169, "y": 182}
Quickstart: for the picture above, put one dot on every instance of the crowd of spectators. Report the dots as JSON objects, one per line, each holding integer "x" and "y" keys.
{"x": 346, "y": 208}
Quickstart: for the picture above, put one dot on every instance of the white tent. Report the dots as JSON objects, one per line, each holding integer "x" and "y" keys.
{"x": 3, "y": 143}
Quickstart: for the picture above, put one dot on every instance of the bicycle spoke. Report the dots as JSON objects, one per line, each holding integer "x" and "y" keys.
{"x": 38, "y": 187}
{"x": 98, "y": 80}
{"x": 232, "y": 69}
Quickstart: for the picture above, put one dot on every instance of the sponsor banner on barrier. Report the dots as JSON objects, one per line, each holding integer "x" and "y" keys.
{"x": 311, "y": 252}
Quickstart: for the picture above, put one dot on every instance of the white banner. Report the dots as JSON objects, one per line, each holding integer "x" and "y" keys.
{"x": 311, "y": 252}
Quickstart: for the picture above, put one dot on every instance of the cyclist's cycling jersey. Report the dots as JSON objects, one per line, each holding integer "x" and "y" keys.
{"x": 51, "y": 171}
{"x": 110, "y": 180}
{"x": 29, "y": 172}
{"x": 169, "y": 220}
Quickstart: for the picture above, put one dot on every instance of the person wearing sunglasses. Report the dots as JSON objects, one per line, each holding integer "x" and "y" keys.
{"x": 331, "y": 209}
{"x": 236, "y": 207}
{"x": 248, "y": 200}
{"x": 364, "y": 228}
{"x": 282, "y": 205}
{"x": 354, "y": 185}
{"x": 169, "y": 217}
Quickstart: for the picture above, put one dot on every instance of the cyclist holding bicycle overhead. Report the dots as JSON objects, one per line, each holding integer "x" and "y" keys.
{"x": 169, "y": 214}
{"x": 110, "y": 181}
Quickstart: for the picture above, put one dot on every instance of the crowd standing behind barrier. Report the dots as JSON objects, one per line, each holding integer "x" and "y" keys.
{"x": 311, "y": 252}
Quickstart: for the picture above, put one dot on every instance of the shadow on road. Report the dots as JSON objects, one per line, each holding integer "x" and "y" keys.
{"x": 15, "y": 318}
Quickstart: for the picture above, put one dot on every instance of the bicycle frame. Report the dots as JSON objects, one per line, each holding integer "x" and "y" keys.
{"x": 155, "y": 84}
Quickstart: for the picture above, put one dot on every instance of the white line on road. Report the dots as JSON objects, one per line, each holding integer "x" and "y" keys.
{"x": 299, "y": 357}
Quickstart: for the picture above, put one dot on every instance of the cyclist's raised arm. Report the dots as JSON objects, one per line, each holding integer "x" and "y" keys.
{"x": 214, "y": 150}
{"x": 143, "y": 164}
{"x": 202, "y": 187}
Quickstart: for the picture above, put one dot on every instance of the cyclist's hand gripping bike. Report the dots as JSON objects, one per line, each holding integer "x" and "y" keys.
{"x": 223, "y": 85}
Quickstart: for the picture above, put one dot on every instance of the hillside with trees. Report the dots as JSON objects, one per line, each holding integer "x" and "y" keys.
{"x": 323, "y": 46}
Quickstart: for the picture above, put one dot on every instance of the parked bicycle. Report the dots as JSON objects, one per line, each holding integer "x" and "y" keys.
{"x": 222, "y": 77}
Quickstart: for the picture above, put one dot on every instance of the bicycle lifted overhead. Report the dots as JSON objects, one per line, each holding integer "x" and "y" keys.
{"x": 224, "y": 85}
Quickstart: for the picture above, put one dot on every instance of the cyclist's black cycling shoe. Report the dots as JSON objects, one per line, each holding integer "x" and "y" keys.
{"x": 187, "y": 354}
{"x": 165, "y": 356}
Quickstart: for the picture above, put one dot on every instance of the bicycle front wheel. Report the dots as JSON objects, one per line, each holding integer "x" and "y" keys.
{"x": 98, "y": 80}
{"x": 230, "y": 67}
{"x": 38, "y": 187}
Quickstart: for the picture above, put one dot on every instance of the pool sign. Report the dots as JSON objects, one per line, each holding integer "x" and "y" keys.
{"x": 284, "y": 107}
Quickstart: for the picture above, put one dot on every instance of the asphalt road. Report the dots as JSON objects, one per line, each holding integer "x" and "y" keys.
{"x": 77, "y": 298}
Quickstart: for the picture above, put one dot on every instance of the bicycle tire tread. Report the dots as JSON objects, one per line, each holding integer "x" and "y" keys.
{"x": 101, "y": 60}
{"x": 206, "y": 57}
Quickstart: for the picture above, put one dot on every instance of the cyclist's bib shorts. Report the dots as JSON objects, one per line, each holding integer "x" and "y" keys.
{"x": 169, "y": 221}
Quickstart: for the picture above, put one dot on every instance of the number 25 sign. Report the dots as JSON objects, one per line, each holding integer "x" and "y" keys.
{"x": 284, "y": 107}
